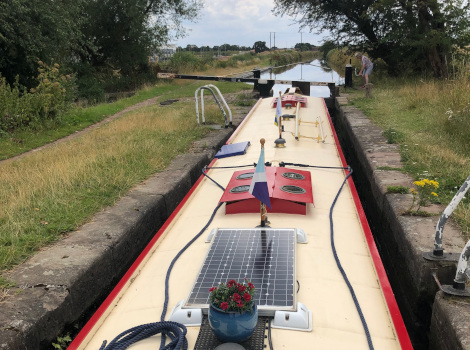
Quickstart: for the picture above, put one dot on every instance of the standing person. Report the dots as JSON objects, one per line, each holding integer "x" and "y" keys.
{"x": 366, "y": 68}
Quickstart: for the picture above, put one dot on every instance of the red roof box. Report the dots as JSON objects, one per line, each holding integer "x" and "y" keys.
{"x": 289, "y": 192}
{"x": 292, "y": 100}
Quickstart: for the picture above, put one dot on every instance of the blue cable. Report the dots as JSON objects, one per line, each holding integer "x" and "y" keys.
{"x": 204, "y": 173}
{"x": 343, "y": 273}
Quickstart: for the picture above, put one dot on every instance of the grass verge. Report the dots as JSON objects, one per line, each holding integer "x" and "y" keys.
{"x": 46, "y": 195}
{"x": 430, "y": 120}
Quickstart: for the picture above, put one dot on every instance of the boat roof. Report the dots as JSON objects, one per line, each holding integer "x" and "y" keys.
{"x": 335, "y": 321}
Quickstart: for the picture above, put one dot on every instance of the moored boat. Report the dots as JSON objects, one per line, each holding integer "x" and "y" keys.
{"x": 319, "y": 279}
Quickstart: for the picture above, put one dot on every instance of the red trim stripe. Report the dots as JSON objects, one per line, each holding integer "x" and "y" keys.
{"x": 395, "y": 314}
{"x": 125, "y": 279}
{"x": 383, "y": 279}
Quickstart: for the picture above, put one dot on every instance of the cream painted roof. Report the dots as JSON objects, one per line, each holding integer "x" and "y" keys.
{"x": 336, "y": 324}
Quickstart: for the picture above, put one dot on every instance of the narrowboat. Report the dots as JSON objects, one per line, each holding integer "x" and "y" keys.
{"x": 309, "y": 252}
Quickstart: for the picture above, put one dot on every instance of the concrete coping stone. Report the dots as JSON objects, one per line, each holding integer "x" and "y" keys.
{"x": 62, "y": 281}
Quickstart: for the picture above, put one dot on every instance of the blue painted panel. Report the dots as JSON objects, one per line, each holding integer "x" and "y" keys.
{"x": 234, "y": 149}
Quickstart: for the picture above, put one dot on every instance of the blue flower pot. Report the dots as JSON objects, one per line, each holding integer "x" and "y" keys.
{"x": 232, "y": 327}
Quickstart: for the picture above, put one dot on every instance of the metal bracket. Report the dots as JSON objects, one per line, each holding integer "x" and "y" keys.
{"x": 448, "y": 289}
{"x": 301, "y": 236}
{"x": 445, "y": 257}
{"x": 211, "y": 235}
{"x": 300, "y": 320}
{"x": 188, "y": 317}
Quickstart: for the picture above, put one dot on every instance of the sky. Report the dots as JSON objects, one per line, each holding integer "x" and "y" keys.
{"x": 243, "y": 22}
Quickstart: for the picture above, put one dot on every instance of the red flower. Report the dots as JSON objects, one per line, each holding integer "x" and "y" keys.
{"x": 212, "y": 289}
{"x": 247, "y": 297}
{"x": 241, "y": 288}
{"x": 240, "y": 304}
{"x": 237, "y": 297}
{"x": 224, "y": 305}
{"x": 231, "y": 283}
{"x": 251, "y": 285}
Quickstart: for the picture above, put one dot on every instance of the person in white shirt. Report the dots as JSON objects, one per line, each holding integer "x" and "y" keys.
{"x": 366, "y": 68}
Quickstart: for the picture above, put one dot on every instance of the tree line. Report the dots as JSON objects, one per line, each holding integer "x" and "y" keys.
{"x": 409, "y": 35}
{"x": 98, "y": 40}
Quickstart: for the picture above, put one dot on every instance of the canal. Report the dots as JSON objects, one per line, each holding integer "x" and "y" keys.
{"x": 314, "y": 71}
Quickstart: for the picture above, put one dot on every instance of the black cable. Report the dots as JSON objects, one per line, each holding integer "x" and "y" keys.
{"x": 204, "y": 173}
{"x": 315, "y": 166}
{"x": 270, "y": 340}
{"x": 174, "y": 330}
{"x": 343, "y": 273}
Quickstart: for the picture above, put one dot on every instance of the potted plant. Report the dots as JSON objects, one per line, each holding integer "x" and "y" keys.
{"x": 233, "y": 314}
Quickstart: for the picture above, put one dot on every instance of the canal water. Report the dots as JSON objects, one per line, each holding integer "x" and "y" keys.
{"x": 311, "y": 71}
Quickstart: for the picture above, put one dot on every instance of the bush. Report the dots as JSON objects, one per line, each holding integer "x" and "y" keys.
{"x": 47, "y": 101}
{"x": 184, "y": 62}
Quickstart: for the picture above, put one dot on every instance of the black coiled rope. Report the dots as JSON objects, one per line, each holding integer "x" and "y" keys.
{"x": 343, "y": 273}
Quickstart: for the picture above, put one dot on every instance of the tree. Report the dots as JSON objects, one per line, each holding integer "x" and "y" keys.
{"x": 303, "y": 46}
{"x": 34, "y": 30}
{"x": 123, "y": 33}
{"x": 260, "y": 46}
{"x": 406, "y": 34}
{"x": 326, "y": 47}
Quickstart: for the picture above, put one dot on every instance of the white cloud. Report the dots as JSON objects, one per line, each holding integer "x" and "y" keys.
{"x": 243, "y": 22}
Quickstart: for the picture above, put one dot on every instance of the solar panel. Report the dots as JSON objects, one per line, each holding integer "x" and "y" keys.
{"x": 265, "y": 256}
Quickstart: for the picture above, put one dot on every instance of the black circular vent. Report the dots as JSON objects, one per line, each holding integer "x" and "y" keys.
{"x": 240, "y": 189}
{"x": 292, "y": 189}
{"x": 245, "y": 176}
{"x": 293, "y": 176}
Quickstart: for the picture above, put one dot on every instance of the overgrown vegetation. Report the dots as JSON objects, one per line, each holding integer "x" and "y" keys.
{"x": 46, "y": 102}
{"x": 430, "y": 120}
{"x": 106, "y": 44}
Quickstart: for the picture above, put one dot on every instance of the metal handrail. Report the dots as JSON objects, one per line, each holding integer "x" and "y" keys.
{"x": 322, "y": 135}
{"x": 461, "y": 274}
{"x": 223, "y": 100}
{"x": 438, "y": 250}
{"x": 209, "y": 87}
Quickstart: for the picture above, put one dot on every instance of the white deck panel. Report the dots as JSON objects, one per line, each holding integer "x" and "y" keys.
{"x": 336, "y": 324}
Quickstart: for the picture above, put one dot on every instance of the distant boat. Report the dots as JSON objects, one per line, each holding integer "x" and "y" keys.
{"x": 320, "y": 282}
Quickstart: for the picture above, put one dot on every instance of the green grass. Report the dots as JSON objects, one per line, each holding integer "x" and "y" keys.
{"x": 398, "y": 189}
{"x": 430, "y": 121}
{"x": 50, "y": 193}
{"x": 24, "y": 140}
